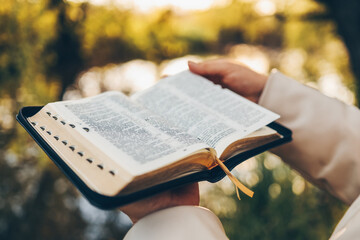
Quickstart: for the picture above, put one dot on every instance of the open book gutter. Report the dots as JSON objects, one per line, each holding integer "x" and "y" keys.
{"x": 107, "y": 202}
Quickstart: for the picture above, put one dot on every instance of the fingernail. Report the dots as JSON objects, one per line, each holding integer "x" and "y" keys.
{"x": 192, "y": 64}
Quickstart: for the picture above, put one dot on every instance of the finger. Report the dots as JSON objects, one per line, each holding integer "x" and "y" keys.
{"x": 216, "y": 67}
{"x": 186, "y": 195}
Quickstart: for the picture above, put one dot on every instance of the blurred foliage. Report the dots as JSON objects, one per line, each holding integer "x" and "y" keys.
{"x": 284, "y": 206}
{"x": 46, "y": 44}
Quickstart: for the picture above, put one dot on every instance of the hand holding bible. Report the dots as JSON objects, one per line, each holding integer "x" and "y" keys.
{"x": 118, "y": 149}
{"x": 236, "y": 77}
{"x": 181, "y": 196}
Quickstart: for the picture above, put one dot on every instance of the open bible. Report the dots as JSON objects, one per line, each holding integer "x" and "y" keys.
{"x": 117, "y": 149}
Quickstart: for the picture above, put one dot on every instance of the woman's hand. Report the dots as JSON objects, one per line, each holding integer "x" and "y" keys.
{"x": 236, "y": 77}
{"x": 185, "y": 195}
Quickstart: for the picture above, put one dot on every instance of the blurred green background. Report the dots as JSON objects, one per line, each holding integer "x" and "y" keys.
{"x": 56, "y": 49}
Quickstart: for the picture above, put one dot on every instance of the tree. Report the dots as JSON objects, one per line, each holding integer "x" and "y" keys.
{"x": 346, "y": 15}
{"x": 66, "y": 47}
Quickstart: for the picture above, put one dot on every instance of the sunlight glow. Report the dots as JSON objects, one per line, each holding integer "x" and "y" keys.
{"x": 132, "y": 76}
{"x": 265, "y": 7}
{"x": 332, "y": 86}
{"x": 89, "y": 83}
{"x": 146, "y": 5}
{"x": 298, "y": 185}
{"x": 177, "y": 65}
{"x": 7, "y": 119}
{"x": 252, "y": 57}
{"x": 292, "y": 62}
{"x": 272, "y": 161}
{"x": 274, "y": 190}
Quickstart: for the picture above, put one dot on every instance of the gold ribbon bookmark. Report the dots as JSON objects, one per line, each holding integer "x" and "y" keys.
{"x": 235, "y": 181}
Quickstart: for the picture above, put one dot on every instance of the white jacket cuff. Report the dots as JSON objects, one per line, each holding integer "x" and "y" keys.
{"x": 326, "y": 135}
{"x": 183, "y": 222}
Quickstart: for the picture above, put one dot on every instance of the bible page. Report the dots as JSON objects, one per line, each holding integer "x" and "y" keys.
{"x": 212, "y": 114}
{"x": 135, "y": 138}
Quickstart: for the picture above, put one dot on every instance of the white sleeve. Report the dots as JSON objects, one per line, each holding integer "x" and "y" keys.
{"x": 326, "y": 135}
{"x": 183, "y": 222}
